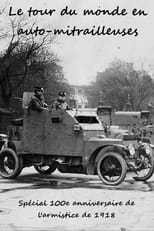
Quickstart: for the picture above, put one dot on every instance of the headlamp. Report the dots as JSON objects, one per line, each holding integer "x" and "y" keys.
{"x": 147, "y": 148}
{"x": 131, "y": 149}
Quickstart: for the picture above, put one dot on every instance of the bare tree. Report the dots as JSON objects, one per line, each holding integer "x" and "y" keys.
{"x": 118, "y": 81}
{"x": 24, "y": 56}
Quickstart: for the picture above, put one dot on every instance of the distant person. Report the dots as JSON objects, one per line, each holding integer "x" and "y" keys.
{"x": 61, "y": 103}
{"x": 136, "y": 130}
{"x": 37, "y": 102}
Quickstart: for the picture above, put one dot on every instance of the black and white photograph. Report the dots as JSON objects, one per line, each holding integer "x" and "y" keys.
{"x": 76, "y": 115}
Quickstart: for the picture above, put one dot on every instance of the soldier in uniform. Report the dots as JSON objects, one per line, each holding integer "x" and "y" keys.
{"x": 136, "y": 130}
{"x": 60, "y": 103}
{"x": 37, "y": 101}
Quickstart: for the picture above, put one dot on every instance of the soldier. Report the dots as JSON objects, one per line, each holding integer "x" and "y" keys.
{"x": 136, "y": 130}
{"x": 60, "y": 103}
{"x": 37, "y": 101}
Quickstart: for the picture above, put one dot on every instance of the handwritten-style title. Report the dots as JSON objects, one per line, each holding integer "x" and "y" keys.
{"x": 73, "y": 30}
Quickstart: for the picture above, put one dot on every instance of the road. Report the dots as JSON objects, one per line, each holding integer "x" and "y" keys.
{"x": 74, "y": 202}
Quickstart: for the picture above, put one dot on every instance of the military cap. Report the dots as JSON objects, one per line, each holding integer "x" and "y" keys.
{"x": 39, "y": 89}
{"x": 62, "y": 93}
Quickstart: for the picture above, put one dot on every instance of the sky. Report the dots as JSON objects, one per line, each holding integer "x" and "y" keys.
{"x": 84, "y": 55}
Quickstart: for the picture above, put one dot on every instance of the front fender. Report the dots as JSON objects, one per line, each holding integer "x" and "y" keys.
{"x": 118, "y": 149}
{"x": 95, "y": 143}
{"x": 9, "y": 144}
{"x": 97, "y": 153}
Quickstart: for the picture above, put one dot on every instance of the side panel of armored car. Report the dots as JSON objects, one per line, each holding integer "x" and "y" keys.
{"x": 51, "y": 132}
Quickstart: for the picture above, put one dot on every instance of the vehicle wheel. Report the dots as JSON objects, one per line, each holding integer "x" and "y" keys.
{"x": 144, "y": 167}
{"x": 111, "y": 168}
{"x": 11, "y": 165}
{"x": 45, "y": 169}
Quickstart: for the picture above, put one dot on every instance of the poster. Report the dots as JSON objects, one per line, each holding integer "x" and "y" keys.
{"x": 89, "y": 36}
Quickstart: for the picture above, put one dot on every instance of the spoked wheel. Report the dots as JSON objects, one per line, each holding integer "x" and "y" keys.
{"x": 144, "y": 167}
{"x": 111, "y": 168}
{"x": 11, "y": 165}
{"x": 45, "y": 169}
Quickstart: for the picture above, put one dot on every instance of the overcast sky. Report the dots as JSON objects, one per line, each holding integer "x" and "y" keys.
{"x": 83, "y": 56}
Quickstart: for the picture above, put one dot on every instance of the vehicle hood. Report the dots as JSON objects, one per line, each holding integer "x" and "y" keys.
{"x": 92, "y": 127}
{"x": 95, "y": 142}
{"x": 117, "y": 129}
{"x": 106, "y": 140}
{"x": 92, "y": 131}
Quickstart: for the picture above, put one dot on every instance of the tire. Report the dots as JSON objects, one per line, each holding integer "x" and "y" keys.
{"x": 11, "y": 165}
{"x": 111, "y": 165}
{"x": 147, "y": 163}
{"x": 45, "y": 169}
